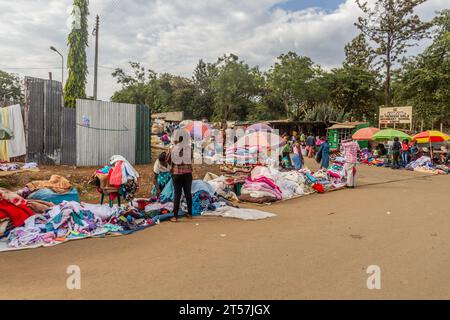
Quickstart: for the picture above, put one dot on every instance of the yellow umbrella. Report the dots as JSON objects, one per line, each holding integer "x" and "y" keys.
{"x": 431, "y": 136}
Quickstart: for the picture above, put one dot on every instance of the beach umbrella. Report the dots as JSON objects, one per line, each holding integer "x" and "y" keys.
{"x": 365, "y": 133}
{"x": 259, "y": 127}
{"x": 260, "y": 139}
{"x": 198, "y": 129}
{"x": 184, "y": 123}
{"x": 390, "y": 134}
{"x": 431, "y": 136}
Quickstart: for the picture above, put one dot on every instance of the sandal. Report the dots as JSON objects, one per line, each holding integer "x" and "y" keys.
{"x": 188, "y": 216}
{"x": 173, "y": 219}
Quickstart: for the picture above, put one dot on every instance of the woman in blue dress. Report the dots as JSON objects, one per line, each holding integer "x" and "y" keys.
{"x": 324, "y": 153}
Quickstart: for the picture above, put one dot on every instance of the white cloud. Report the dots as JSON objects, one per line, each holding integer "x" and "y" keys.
{"x": 172, "y": 35}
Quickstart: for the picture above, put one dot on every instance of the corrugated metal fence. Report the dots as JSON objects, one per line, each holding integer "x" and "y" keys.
{"x": 87, "y": 135}
{"x": 43, "y": 107}
{"x": 105, "y": 129}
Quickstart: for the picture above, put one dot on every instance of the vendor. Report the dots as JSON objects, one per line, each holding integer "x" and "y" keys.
{"x": 165, "y": 138}
{"x": 298, "y": 156}
{"x": 286, "y": 153}
{"x": 161, "y": 174}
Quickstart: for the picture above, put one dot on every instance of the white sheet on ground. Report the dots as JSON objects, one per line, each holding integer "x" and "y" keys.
{"x": 239, "y": 213}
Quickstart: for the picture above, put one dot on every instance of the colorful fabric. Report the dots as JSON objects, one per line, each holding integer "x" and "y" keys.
{"x": 202, "y": 201}
{"x": 56, "y": 183}
{"x": 163, "y": 179}
{"x": 350, "y": 150}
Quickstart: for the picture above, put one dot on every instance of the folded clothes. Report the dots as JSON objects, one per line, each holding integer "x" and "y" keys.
{"x": 56, "y": 183}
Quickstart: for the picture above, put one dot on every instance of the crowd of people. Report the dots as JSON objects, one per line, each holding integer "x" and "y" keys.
{"x": 404, "y": 152}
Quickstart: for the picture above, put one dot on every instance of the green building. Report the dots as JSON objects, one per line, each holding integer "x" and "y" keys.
{"x": 343, "y": 131}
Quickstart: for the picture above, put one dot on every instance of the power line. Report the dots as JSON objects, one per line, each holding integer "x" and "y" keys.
{"x": 49, "y": 68}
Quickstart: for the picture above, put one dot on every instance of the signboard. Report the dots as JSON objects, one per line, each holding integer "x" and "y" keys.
{"x": 395, "y": 115}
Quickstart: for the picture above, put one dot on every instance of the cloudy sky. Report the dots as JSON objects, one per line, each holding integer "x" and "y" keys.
{"x": 172, "y": 35}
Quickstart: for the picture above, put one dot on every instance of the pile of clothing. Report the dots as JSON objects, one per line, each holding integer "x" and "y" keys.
{"x": 203, "y": 197}
{"x": 16, "y": 166}
{"x": 118, "y": 179}
{"x": 247, "y": 155}
{"x": 336, "y": 171}
{"x": 66, "y": 221}
{"x": 223, "y": 186}
{"x": 260, "y": 187}
{"x": 232, "y": 169}
{"x": 424, "y": 164}
{"x": 55, "y": 190}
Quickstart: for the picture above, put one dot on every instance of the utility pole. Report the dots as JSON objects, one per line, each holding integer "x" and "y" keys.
{"x": 96, "y": 31}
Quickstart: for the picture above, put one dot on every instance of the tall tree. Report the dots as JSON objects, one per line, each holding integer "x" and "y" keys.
{"x": 140, "y": 87}
{"x": 204, "y": 76}
{"x": 75, "y": 87}
{"x": 393, "y": 27}
{"x": 357, "y": 91}
{"x": 10, "y": 88}
{"x": 236, "y": 89}
{"x": 291, "y": 78}
{"x": 425, "y": 80}
{"x": 358, "y": 53}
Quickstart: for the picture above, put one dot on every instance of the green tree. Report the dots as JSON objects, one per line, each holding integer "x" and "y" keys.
{"x": 358, "y": 53}
{"x": 237, "y": 89}
{"x": 425, "y": 80}
{"x": 75, "y": 87}
{"x": 204, "y": 76}
{"x": 393, "y": 27}
{"x": 10, "y": 88}
{"x": 357, "y": 91}
{"x": 140, "y": 87}
{"x": 290, "y": 78}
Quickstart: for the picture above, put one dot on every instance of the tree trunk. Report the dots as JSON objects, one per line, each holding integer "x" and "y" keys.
{"x": 387, "y": 88}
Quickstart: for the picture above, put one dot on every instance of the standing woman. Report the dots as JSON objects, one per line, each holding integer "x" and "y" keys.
{"x": 405, "y": 152}
{"x": 298, "y": 157}
{"x": 324, "y": 151}
{"x": 181, "y": 168}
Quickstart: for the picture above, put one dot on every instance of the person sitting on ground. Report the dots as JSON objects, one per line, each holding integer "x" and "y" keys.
{"x": 376, "y": 152}
{"x": 161, "y": 175}
{"x": 165, "y": 139}
{"x": 383, "y": 150}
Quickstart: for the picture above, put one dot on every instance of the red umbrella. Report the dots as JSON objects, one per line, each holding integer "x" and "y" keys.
{"x": 365, "y": 133}
{"x": 198, "y": 129}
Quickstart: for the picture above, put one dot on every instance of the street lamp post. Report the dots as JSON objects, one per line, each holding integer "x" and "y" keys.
{"x": 62, "y": 64}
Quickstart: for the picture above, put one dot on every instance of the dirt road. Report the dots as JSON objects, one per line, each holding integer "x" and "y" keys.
{"x": 317, "y": 247}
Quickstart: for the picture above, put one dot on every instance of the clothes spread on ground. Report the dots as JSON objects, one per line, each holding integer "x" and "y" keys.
{"x": 56, "y": 183}
{"x": 13, "y": 207}
{"x": 425, "y": 165}
{"x": 237, "y": 213}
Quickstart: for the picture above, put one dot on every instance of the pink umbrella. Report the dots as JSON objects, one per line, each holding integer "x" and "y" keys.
{"x": 198, "y": 129}
{"x": 259, "y": 127}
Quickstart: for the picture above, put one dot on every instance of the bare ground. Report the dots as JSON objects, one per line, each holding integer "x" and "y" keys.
{"x": 318, "y": 247}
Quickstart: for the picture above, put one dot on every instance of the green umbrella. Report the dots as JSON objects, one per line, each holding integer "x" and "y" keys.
{"x": 390, "y": 134}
